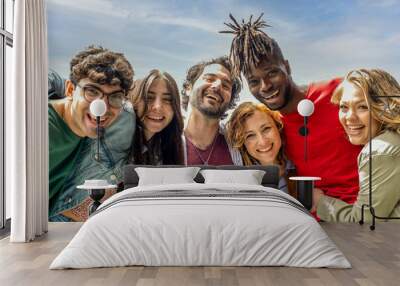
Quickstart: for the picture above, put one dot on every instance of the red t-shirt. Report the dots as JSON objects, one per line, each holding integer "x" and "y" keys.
{"x": 217, "y": 153}
{"x": 330, "y": 154}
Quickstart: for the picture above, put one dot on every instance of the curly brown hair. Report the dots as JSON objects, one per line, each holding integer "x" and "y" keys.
{"x": 101, "y": 66}
{"x": 194, "y": 73}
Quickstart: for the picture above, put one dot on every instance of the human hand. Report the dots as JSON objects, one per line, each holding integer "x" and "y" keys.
{"x": 317, "y": 194}
{"x": 108, "y": 193}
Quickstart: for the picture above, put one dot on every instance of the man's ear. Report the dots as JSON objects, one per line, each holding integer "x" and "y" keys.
{"x": 287, "y": 66}
{"x": 69, "y": 88}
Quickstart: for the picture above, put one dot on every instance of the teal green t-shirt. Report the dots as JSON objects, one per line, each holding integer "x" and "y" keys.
{"x": 73, "y": 159}
{"x": 64, "y": 149}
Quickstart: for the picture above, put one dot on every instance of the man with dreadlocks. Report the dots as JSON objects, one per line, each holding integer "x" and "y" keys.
{"x": 211, "y": 90}
{"x": 331, "y": 156}
{"x": 94, "y": 73}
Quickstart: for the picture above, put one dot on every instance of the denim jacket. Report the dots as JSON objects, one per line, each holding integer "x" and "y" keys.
{"x": 114, "y": 149}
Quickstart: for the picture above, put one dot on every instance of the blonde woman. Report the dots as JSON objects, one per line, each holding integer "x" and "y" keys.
{"x": 361, "y": 91}
{"x": 255, "y": 131}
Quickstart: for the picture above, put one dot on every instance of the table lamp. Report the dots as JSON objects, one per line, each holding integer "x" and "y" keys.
{"x": 305, "y": 185}
{"x": 305, "y": 109}
{"x": 98, "y": 108}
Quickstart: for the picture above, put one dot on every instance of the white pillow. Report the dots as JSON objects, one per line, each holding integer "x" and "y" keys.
{"x": 249, "y": 177}
{"x": 162, "y": 176}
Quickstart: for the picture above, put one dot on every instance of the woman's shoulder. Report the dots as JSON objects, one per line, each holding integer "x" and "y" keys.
{"x": 385, "y": 144}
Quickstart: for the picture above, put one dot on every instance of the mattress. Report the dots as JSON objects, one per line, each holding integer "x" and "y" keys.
{"x": 201, "y": 225}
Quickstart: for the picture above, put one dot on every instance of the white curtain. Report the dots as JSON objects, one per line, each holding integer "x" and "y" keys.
{"x": 26, "y": 124}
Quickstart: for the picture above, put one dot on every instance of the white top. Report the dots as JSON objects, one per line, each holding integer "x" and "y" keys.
{"x": 305, "y": 178}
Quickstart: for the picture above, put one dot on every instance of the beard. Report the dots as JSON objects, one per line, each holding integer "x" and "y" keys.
{"x": 207, "y": 110}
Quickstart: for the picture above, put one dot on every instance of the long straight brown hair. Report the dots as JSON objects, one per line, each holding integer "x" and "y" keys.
{"x": 169, "y": 140}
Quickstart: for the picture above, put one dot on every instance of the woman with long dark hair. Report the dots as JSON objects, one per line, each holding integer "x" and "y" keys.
{"x": 158, "y": 138}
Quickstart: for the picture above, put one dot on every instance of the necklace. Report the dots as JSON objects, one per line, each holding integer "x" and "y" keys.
{"x": 196, "y": 149}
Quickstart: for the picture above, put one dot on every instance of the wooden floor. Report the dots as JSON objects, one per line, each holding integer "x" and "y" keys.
{"x": 374, "y": 255}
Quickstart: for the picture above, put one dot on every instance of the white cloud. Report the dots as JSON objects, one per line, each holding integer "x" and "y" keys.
{"x": 345, "y": 45}
{"x": 315, "y": 52}
{"x": 379, "y": 3}
{"x": 140, "y": 12}
{"x": 172, "y": 56}
{"x": 339, "y": 53}
{"x": 99, "y": 7}
{"x": 394, "y": 39}
{"x": 149, "y": 12}
{"x": 168, "y": 19}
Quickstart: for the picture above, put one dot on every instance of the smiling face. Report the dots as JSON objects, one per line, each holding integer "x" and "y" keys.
{"x": 270, "y": 83}
{"x": 159, "y": 111}
{"x": 82, "y": 122}
{"x": 354, "y": 115}
{"x": 262, "y": 138}
{"x": 212, "y": 91}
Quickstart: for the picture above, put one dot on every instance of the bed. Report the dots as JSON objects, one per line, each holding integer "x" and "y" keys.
{"x": 201, "y": 224}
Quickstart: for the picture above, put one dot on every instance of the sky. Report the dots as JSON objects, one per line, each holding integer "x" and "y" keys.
{"x": 320, "y": 39}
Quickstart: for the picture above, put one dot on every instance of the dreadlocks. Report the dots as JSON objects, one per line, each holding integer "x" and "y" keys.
{"x": 250, "y": 44}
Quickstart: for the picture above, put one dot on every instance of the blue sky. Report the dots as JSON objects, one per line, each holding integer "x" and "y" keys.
{"x": 321, "y": 39}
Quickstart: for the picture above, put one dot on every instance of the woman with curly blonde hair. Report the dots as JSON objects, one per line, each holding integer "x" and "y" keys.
{"x": 364, "y": 91}
{"x": 255, "y": 131}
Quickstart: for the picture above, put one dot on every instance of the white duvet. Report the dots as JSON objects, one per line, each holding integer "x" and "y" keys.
{"x": 183, "y": 231}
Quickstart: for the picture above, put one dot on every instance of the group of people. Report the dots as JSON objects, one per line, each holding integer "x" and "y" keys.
{"x": 144, "y": 124}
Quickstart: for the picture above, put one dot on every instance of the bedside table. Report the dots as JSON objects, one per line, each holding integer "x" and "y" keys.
{"x": 304, "y": 187}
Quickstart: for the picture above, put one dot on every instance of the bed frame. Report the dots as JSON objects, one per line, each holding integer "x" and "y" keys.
{"x": 270, "y": 179}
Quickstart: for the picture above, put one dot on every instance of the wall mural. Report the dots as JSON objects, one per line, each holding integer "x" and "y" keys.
{"x": 193, "y": 84}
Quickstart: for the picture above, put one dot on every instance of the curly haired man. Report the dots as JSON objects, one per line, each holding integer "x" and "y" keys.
{"x": 94, "y": 73}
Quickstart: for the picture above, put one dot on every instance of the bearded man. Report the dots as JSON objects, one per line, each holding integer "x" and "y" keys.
{"x": 211, "y": 90}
